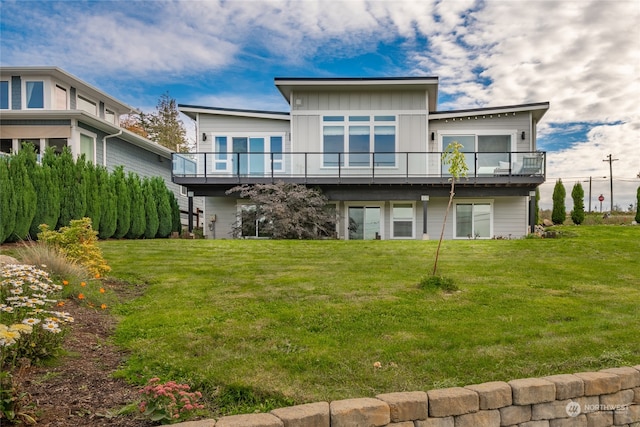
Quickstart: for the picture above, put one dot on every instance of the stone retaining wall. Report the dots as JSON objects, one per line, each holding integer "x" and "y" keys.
{"x": 610, "y": 397}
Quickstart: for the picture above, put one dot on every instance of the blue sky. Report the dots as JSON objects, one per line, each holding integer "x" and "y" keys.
{"x": 581, "y": 56}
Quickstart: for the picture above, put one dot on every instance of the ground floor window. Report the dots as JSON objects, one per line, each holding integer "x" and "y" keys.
{"x": 473, "y": 220}
{"x": 251, "y": 222}
{"x": 403, "y": 220}
{"x": 6, "y": 146}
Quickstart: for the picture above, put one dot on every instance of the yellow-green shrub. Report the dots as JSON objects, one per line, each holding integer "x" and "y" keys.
{"x": 79, "y": 243}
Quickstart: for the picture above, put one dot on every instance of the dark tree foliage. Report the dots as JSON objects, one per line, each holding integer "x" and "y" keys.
{"x": 287, "y": 211}
{"x": 577, "y": 194}
{"x": 559, "y": 212}
{"x": 638, "y": 205}
{"x": 123, "y": 203}
{"x": 176, "y": 223}
{"x": 165, "y": 220}
{"x": 25, "y": 194}
{"x": 136, "y": 230}
{"x": 108, "y": 206}
{"x": 7, "y": 203}
{"x": 94, "y": 204}
{"x": 150, "y": 209}
{"x": 48, "y": 194}
{"x": 73, "y": 197}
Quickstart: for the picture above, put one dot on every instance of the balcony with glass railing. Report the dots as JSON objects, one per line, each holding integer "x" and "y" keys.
{"x": 354, "y": 167}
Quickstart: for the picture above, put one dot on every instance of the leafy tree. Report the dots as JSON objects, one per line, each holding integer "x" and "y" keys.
{"x": 559, "y": 212}
{"x": 288, "y": 211}
{"x": 123, "y": 203}
{"x": 108, "y": 203}
{"x": 150, "y": 210}
{"x": 136, "y": 230}
{"x": 163, "y": 205}
{"x": 94, "y": 204}
{"x": 577, "y": 194}
{"x": 7, "y": 204}
{"x": 25, "y": 194}
{"x": 73, "y": 198}
{"x": 453, "y": 157}
{"x": 638, "y": 204}
{"x": 135, "y": 123}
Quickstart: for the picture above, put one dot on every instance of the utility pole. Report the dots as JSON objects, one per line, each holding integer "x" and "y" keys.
{"x": 610, "y": 160}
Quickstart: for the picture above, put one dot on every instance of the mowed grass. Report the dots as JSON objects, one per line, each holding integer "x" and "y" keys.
{"x": 264, "y": 323}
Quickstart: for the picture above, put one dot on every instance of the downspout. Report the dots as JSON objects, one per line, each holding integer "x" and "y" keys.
{"x": 104, "y": 146}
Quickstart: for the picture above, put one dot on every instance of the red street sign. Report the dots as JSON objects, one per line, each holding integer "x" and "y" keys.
{"x": 601, "y": 198}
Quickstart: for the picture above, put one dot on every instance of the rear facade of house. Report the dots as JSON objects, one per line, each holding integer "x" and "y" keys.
{"x": 374, "y": 147}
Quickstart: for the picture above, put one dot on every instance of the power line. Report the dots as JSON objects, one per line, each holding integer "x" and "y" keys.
{"x": 610, "y": 160}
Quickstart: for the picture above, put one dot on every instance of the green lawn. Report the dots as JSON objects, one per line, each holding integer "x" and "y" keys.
{"x": 266, "y": 323}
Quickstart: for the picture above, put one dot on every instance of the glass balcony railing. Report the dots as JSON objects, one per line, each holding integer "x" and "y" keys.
{"x": 310, "y": 165}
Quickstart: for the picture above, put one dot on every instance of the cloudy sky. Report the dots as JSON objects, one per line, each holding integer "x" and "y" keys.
{"x": 582, "y": 56}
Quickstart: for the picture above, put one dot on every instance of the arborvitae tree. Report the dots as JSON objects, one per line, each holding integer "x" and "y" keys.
{"x": 537, "y": 206}
{"x": 48, "y": 210}
{"x": 108, "y": 206}
{"x": 577, "y": 194}
{"x": 136, "y": 230}
{"x": 7, "y": 205}
{"x": 25, "y": 194}
{"x": 559, "y": 212}
{"x": 94, "y": 204}
{"x": 176, "y": 223}
{"x": 150, "y": 210}
{"x": 123, "y": 203}
{"x": 638, "y": 205}
{"x": 164, "y": 207}
{"x": 73, "y": 197}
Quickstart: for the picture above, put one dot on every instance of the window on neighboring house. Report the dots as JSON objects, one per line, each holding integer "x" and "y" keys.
{"x": 6, "y": 146}
{"x": 87, "y": 105}
{"x": 87, "y": 147}
{"x": 35, "y": 94}
{"x": 4, "y": 95}
{"x": 473, "y": 220}
{"x": 61, "y": 98}
{"x": 403, "y": 220}
{"x": 58, "y": 144}
{"x": 370, "y": 140}
{"x": 183, "y": 190}
{"x": 110, "y": 116}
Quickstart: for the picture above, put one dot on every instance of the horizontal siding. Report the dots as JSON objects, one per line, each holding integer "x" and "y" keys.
{"x": 518, "y": 123}
{"x": 214, "y": 123}
{"x": 359, "y": 100}
{"x": 510, "y": 216}
{"x": 224, "y": 208}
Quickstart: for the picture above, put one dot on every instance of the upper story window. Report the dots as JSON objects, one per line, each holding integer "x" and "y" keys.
{"x": 248, "y": 154}
{"x": 359, "y": 141}
{"x": 4, "y": 95}
{"x": 62, "y": 100}
{"x": 87, "y": 105}
{"x": 35, "y": 94}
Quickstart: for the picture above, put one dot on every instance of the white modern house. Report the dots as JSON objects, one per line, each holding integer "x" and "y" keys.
{"x": 374, "y": 147}
{"x": 52, "y": 108}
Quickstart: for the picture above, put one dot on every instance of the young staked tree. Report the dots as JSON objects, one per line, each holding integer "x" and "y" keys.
{"x": 559, "y": 212}
{"x": 7, "y": 204}
{"x": 577, "y": 194}
{"x": 458, "y": 168}
{"x": 288, "y": 211}
{"x": 25, "y": 194}
{"x": 123, "y": 203}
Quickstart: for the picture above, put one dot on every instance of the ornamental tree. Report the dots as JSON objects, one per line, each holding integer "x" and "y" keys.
{"x": 123, "y": 203}
{"x": 559, "y": 212}
{"x": 136, "y": 230}
{"x": 150, "y": 210}
{"x": 25, "y": 194}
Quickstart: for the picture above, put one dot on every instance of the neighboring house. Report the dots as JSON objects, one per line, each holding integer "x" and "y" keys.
{"x": 374, "y": 146}
{"x": 51, "y": 108}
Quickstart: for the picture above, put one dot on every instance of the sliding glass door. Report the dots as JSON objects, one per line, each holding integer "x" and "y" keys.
{"x": 364, "y": 223}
